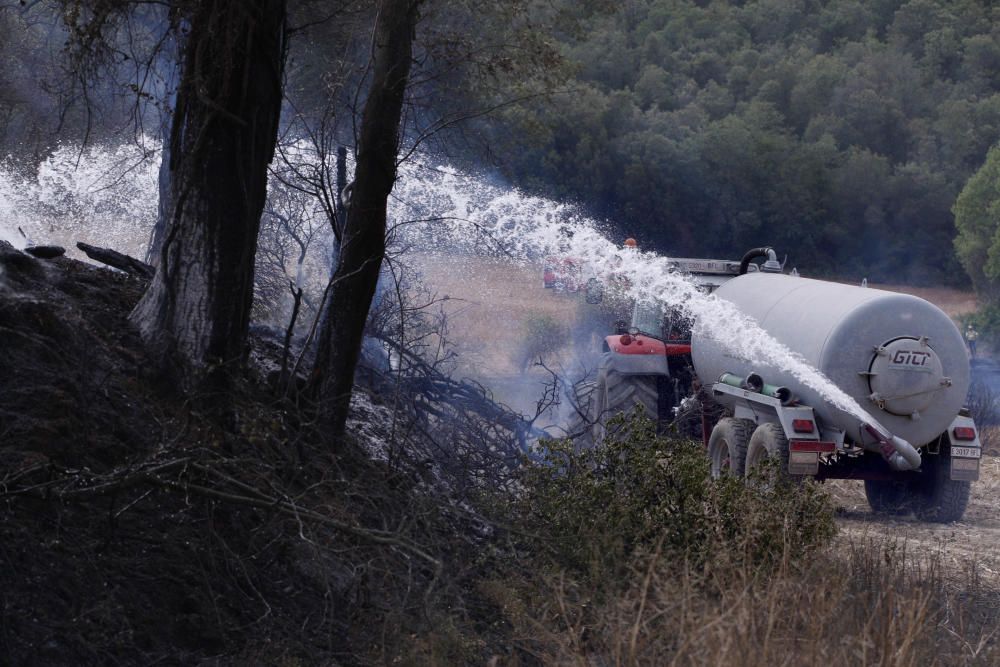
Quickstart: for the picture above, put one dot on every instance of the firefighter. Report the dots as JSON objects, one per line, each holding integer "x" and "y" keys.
{"x": 970, "y": 337}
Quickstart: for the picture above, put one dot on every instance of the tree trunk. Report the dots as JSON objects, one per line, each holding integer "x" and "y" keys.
{"x": 195, "y": 314}
{"x": 363, "y": 244}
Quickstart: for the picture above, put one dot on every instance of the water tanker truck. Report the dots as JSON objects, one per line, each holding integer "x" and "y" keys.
{"x": 893, "y": 416}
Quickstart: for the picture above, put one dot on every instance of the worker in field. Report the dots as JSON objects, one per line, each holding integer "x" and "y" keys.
{"x": 630, "y": 243}
{"x": 970, "y": 337}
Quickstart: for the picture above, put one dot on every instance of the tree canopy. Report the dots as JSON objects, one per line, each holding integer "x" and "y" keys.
{"x": 838, "y": 131}
{"x": 977, "y": 216}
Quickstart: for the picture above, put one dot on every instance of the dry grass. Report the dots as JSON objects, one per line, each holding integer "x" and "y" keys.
{"x": 490, "y": 303}
{"x": 765, "y": 583}
{"x": 974, "y": 539}
{"x": 867, "y": 601}
{"x": 955, "y": 303}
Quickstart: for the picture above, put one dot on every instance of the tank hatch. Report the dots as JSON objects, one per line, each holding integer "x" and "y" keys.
{"x": 905, "y": 376}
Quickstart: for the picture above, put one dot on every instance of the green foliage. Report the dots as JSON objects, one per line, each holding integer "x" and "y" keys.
{"x": 592, "y": 512}
{"x": 986, "y": 321}
{"x": 706, "y": 128}
{"x": 977, "y": 216}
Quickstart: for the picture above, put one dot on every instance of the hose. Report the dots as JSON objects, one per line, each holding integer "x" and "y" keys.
{"x": 898, "y": 453}
{"x": 763, "y": 251}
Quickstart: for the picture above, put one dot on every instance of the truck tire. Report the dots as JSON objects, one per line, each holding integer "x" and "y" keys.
{"x": 939, "y": 498}
{"x": 887, "y": 497}
{"x": 727, "y": 447}
{"x": 616, "y": 393}
{"x": 767, "y": 442}
{"x": 931, "y": 495}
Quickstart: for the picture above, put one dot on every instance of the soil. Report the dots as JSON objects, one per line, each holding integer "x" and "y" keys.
{"x": 973, "y": 540}
{"x": 142, "y": 526}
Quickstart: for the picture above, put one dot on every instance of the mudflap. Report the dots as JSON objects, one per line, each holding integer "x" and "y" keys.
{"x": 965, "y": 449}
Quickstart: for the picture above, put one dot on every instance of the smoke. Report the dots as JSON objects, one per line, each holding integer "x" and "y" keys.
{"x": 109, "y": 194}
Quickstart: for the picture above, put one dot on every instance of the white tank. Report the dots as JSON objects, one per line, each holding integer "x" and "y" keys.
{"x": 901, "y": 358}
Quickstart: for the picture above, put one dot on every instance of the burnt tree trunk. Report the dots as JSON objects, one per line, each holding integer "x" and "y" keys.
{"x": 363, "y": 242}
{"x": 195, "y": 314}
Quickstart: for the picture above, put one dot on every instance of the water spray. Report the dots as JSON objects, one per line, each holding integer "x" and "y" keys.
{"x": 113, "y": 192}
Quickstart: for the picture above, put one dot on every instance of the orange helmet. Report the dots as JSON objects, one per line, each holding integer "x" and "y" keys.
{"x": 630, "y": 243}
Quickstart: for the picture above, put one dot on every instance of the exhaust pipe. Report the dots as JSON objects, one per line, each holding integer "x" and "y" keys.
{"x": 898, "y": 453}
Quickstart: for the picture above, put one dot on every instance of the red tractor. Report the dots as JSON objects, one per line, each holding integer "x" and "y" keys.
{"x": 648, "y": 361}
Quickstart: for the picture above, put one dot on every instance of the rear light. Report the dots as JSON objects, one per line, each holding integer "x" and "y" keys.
{"x": 625, "y": 339}
{"x": 964, "y": 433}
{"x": 803, "y": 426}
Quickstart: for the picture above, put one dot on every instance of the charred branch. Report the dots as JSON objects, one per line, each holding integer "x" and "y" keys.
{"x": 117, "y": 260}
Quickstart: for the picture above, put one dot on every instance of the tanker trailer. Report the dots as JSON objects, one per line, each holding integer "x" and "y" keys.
{"x": 897, "y": 357}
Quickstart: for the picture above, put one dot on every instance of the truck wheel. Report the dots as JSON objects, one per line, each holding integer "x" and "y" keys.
{"x": 939, "y": 498}
{"x": 616, "y": 393}
{"x": 727, "y": 447}
{"x": 768, "y": 442}
{"x": 887, "y": 497}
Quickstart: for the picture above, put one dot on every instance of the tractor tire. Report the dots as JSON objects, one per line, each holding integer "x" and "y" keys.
{"x": 938, "y": 498}
{"x": 727, "y": 447}
{"x": 616, "y": 394}
{"x": 579, "y": 426}
{"x": 768, "y": 442}
{"x": 887, "y": 497}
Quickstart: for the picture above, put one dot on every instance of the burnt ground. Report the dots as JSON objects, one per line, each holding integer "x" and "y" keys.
{"x": 138, "y": 527}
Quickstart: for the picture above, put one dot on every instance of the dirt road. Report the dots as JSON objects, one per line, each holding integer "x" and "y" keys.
{"x": 975, "y": 539}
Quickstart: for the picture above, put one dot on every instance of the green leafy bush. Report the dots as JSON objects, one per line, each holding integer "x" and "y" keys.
{"x": 591, "y": 512}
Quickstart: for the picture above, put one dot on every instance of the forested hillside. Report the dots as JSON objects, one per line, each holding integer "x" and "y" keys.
{"x": 839, "y": 131}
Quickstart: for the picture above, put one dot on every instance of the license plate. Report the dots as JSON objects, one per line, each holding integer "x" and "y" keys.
{"x": 966, "y": 452}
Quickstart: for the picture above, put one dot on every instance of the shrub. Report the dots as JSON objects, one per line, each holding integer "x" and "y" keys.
{"x": 543, "y": 335}
{"x": 590, "y": 512}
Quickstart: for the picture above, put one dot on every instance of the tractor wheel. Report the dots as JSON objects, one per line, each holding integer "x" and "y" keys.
{"x": 579, "y": 425}
{"x": 616, "y": 393}
{"x": 888, "y": 497}
{"x": 937, "y": 497}
{"x": 727, "y": 447}
{"x": 767, "y": 443}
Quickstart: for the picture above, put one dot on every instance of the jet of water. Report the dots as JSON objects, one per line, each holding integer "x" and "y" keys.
{"x": 470, "y": 214}
{"x": 108, "y": 194}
